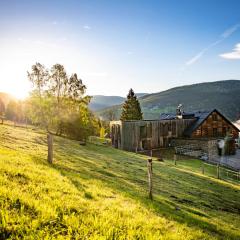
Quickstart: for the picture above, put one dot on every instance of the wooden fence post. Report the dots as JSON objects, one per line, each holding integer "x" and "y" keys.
{"x": 149, "y": 164}
{"x": 202, "y": 167}
{"x": 136, "y": 150}
{"x": 50, "y": 147}
{"x": 175, "y": 159}
{"x": 218, "y": 171}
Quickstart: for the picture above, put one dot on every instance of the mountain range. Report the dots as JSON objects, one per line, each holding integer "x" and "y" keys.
{"x": 6, "y": 98}
{"x": 222, "y": 95}
{"x": 99, "y": 102}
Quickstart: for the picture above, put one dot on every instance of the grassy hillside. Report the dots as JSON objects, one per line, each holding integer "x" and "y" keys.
{"x": 97, "y": 192}
{"x": 223, "y": 95}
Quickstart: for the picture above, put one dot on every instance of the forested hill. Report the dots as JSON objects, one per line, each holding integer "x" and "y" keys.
{"x": 6, "y": 98}
{"x": 223, "y": 95}
{"x": 100, "y": 101}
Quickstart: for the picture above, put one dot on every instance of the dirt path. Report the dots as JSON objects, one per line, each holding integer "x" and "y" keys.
{"x": 232, "y": 161}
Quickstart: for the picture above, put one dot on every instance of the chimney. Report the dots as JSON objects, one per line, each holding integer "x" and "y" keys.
{"x": 179, "y": 111}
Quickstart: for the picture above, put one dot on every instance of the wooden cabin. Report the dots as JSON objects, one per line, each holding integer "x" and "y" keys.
{"x": 152, "y": 134}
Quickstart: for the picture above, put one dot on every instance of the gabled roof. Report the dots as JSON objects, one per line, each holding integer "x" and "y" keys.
{"x": 199, "y": 116}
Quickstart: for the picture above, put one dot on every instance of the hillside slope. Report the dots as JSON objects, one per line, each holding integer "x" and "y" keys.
{"x": 6, "y": 98}
{"x": 96, "y": 192}
{"x": 223, "y": 95}
{"x": 99, "y": 102}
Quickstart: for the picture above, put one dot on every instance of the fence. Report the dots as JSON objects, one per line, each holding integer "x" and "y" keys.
{"x": 224, "y": 170}
{"x": 214, "y": 169}
{"x": 220, "y": 170}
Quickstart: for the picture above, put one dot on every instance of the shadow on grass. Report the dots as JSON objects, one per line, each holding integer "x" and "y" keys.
{"x": 178, "y": 195}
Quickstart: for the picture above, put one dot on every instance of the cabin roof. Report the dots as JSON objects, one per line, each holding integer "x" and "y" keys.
{"x": 186, "y": 115}
{"x": 200, "y": 117}
{"x": 167, "y": 116}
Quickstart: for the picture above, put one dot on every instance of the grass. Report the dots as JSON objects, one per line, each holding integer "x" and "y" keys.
{"x": 195, "y": 165}
{"x": 97, "y": 192}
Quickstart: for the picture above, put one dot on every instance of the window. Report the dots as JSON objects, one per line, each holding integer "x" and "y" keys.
{"x": 146, "y": 131}
{"x": 143, "y": 132}
{"x": 146, "y": 144}
{"x": 224, "y": 131}
{"x": 205, "y": 131}
{"x": 198, "y": 132}
{"x": 214, "y": 117}
{"x": 215, "y": 132}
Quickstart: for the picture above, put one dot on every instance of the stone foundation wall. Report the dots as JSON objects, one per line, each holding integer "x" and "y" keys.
{"x": 212, "y": 149}
{"x": 194, "y": 147}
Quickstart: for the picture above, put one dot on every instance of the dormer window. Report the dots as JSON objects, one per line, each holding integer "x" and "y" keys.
{"x": 214, "y": 117}
{"x": 215, "y": 132}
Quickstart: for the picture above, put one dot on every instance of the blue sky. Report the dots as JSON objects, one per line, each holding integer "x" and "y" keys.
{"x": 114, "y": 45}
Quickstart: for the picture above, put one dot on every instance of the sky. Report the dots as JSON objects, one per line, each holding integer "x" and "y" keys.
{"x": 146, "y": 45}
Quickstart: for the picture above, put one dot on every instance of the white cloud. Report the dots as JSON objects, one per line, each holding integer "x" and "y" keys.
{"x": 226, "y": 34}
{"x": 86, "y": 27}
{"x": 235, "y": 54}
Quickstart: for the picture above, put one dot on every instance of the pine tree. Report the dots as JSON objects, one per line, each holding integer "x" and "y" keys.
{"x": 131, "y": 109}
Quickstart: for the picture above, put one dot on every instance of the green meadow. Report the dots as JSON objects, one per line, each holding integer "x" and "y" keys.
{"x": 97, "y": 192}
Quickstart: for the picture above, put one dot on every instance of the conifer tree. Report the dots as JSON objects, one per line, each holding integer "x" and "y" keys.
{"x": 131, "y": 109}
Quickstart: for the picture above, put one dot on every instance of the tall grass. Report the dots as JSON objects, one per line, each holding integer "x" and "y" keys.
{"x": 96, "y": 192}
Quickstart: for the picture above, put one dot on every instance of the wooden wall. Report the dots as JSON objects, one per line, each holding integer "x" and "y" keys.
{"x": 149, "y": 134}
{"x": 116, "y": 133}
{"x": 215, "y": 126}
